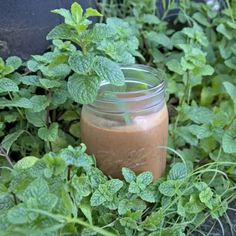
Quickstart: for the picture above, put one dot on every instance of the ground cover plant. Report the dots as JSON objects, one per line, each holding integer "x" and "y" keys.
{"x": 63, "y": 192}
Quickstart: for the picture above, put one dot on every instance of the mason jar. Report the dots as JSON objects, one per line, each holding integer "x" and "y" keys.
{"x": 127, "y": 126}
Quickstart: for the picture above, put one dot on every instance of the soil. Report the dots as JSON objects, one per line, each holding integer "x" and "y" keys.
{"x": 228, "y": 224}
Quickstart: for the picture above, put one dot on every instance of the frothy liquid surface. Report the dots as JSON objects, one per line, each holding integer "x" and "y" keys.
{"x": 138, "y": 146}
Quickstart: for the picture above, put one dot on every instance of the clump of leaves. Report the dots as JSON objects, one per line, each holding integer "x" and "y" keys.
{"x": 64, "y": 193}
{"x": 197, "y": 50}
{"x": 40, "y": 105}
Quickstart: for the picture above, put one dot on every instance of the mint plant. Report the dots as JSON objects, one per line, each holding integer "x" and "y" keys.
{"x": 43, "y": 98}
{"x": 64, "y": 193}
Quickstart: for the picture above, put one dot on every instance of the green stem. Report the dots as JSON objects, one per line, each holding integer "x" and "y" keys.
{"x": 67, "y": 220}
{"x": 19, "y": 111}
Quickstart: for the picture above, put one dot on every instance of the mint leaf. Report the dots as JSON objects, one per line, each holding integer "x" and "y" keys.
{"x": 80, "y": 63}
{"x": 25, "y": 162}
{"x": 30, "y": 80}
{"x": 38, "y": 119}
{"x": 175, "y": 66}
{"x": 178, "y": 171}
{"x": 109, "y": 71}
{"x": 49, "y": 134}
{"x": 7, "y": 85}
{"x": 128, "y": 174}
{"x": 59, "y": 32}
{"x": 77, "y": 12}
{"x": 39, "y": 102}
{"x": 114, "y": 185}
{"x": 228, "y": 141}
{"x": 10, "y": 139}
{"x": 36, "y": 189}
{"x": 20, "y": 215}
{"x": 18, "y": 102}
{"x": 14, "y": 62}
{"x": 159, "y": 39}
{"x": 231, "y": 90}
{"x": 97, "y": 199}
{"x": 167, "y": 188}
{"x": 92, "y": 12}
{"x": 47, "y": 83}
{"x": 144, "y": 179}
{"x": 66, "y": 14}
{"x": 205, "y": 196}
{"x": 154, "y": 221}
{"x": 148, "y": 196}
{"x": 83, "y": 89}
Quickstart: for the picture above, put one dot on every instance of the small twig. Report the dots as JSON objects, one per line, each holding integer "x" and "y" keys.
{"x": 69, "y": 173}
{"x": 14, "y": 197}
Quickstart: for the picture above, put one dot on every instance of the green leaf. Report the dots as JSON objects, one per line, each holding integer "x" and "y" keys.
{"x": 201, "y": 131}
{"x": 199, "y": 17}
{"x": 33, "y": 65}
{"x": 201, "y": 115}
{"x": 133, "y": 187}
{"x": 160, "y": 39}
{"x": 87, "y": 210}
{"x": 167, "y": 188}
{"x": 194, "y": 205}
{"x": 226, "y": 32}
{"x": 228, "y": 141}
{"x": 144, "y": 179}
{"x": 30, "y": 80}
{"x": 66, "y": 14}
{"x": 174, "y": 65}
{"x": 83, "y": 89}
{"x": 59, "y": 32}
{"x": 154, "y": 221}
{"x": 38, "y": 119}
{"x": 97, "y": 198}
{"x": 47, "y": 83}
{"x": 178, "y": 171}
{"x": 10, "y": 139}
{"x": 114, "y": 185}
{"x": 7, "y": 85}
{"x": 148, "y": 196}
{"x": 49, "y": 134}
{"x": 151, "y": 19}
{"x": 207, "y": 70}
{"x": 77, "y": 12}
{"x": 14, "y": 62}
{"x": 25, "y": 163}
{"x": 92, "y": 12}
{"x": 109, "y": 71}
{"x": 231, "y": 63}
{"x": 128, "y": 174}
{"x": 20, "y": 215}
{"x": 128, "y": 222}
{"x": 75, "y": 130}
{"x": 39, "y": 103}
{"x": 205, "y": 196}
{"x": 80, "y": 63}
{"x": 19, "y": 102}
{"x": 36, "y": 189}
{"x": 231, "y": 90}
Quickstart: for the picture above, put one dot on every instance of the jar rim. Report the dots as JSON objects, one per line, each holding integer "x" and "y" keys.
{"x": 157, "y": 88}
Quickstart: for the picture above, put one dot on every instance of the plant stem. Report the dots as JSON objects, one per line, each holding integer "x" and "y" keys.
{"x": 5, "y": 154}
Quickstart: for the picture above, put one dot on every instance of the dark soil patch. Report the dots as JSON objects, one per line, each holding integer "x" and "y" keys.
{"x": 226, "y": 226}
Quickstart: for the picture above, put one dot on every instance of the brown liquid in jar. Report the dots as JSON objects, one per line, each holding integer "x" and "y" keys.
{"x": 138, "y": 146}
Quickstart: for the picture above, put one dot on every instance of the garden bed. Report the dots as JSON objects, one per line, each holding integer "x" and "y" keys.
{"x": 50, "y": 186}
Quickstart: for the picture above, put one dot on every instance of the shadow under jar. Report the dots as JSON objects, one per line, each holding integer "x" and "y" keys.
{"x": 127, "y": 126}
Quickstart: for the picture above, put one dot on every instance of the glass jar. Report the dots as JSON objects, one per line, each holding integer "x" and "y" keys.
{"x": 127, "y": 126}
